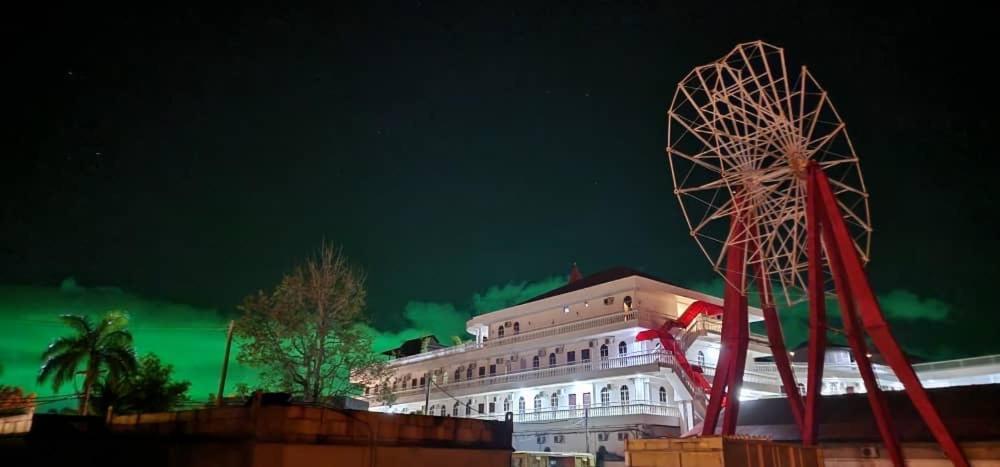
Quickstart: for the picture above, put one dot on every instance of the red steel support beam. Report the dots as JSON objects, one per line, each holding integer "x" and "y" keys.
{"x": 860, "y": 350}
{"x": 817, "y": 318}
{"x": 874, "y": 321}
{"x": 776, "y": 339}
{"x": 732, "y": 353}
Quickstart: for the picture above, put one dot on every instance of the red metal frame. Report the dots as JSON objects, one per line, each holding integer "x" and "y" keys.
{"x": 857, "y": 301}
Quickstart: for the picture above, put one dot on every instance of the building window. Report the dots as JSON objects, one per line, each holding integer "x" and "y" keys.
{"x": 540, "y": 439}
{"x": 482, "y": 371}
{"x": 585, "y": 355}
{"x": 468, "y": 371}
{"x": 586, "y": 399}
{"x": 534, "y": 361}
{"x": 520, "y": 405}
{"x": 500, "y": 331}
{"x": 572, "y": 401}
{"x": 559, "y": 439}
{"x": 802, "y": 388}
{"x": 524, "y": 363}
{"x": 624, "y": 394}
{"x": 570, "y": 356}
{"x": 368, "y": 390}
{"x": 663, "y": 394}
{"x": 413, "y": 383}
{"x": 493, "y": 407}
{"x": 454, "y": 409}
{"x": 609, "y": 300}
{"x": 602, "y": 436}
{"x": 554, "y": 401}
{"x": 458, "y": 374}
{"x": 604, "y": 351}
{"x": 622, "y": 349}
{"x": 444, "y": 410}
{"x": 481, "y": 407}
{"x": 701, "y": 359}
{"x": 506, "y": 405}
{"x": 507, "y": 365}
{"x": 538, "y": 402}
{"x": 552, "y": 359}
{"x": 493, "y": 370}
{"x": 605, "y": 396}
{"x": 468, "y": 408}
{"x": 622, "y": 436}
{"x": 850, "y": 389}
{"x": 627, "y": 303}
{"x": 423, "y": 381}
{"x": 517, "y": 327}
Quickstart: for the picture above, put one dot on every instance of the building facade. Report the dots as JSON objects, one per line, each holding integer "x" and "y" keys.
{"x": 568, "y": 365}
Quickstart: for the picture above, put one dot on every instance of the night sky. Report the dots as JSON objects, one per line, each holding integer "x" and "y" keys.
{"x": 191, "y": 156}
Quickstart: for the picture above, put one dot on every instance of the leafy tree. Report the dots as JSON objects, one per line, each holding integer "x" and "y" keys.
{"x": 148, "y": 389}
{"x": 104, "y": 347}
{"x": 304, "y": 335}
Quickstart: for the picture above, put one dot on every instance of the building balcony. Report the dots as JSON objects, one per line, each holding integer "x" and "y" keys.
{"x": 588, "y": 369}
{"x": 592, "y": 411}
{"x": 597, "y": 324}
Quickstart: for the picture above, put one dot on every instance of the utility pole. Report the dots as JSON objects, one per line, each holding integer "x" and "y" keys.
{"x": 427, "y": 393}
{"x": 225, "y": 363}
{"x": 586, "y": 426}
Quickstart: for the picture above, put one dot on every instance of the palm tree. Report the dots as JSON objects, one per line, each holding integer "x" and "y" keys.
{"x": 104, "y": 346}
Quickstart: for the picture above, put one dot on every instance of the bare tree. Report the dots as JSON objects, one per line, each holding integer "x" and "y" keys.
{"x": 304, "y": 336}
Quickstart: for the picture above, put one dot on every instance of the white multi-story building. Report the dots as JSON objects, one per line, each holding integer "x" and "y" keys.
{"x": 568, "y": 366}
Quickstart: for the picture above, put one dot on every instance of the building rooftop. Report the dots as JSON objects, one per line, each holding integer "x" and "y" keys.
{"x": 606, "y": 275}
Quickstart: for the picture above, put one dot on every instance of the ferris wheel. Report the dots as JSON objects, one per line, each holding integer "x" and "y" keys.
{"x": 771, "y": 190}
{"x": 741, "y": 131}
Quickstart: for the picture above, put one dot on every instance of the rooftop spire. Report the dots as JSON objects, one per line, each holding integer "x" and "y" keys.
{"x": 574, "y": 274}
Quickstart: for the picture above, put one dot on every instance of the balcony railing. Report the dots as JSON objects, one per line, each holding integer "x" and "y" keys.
{"x": 436, "y": 353}
{"x": 958, "y": 363}
{"x": 595, "y": 410}
{"x": 569, "y": 369}
{"x": 583, "y": 324}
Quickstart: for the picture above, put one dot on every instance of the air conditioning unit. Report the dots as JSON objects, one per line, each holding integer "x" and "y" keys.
{"x": 591, "y": 344}
{"x": 559, "y": 349}
{"x": 608, "y": 340}
{"x": 609, "y": 300}
{"x": 869, "y": 452}
{"x": 506, "y": 324}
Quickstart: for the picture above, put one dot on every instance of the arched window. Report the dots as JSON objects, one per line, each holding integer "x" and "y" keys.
{"x": 663, "y": 394}
{"x": 506, "y": 404}
{"x": 554, "y": 400}
{"x": 604, "y": 351}
{"x": 454, "y": 409}
{"x": 538, "y": 402}
{"x": 534, "y": 361}
{"x": 552, "y": 359}
{"x": 500, "y": 331}
{"x": 468, "y": 371}
{"x": 605, "y": 396}
{"x": 458, "y": 374}
{"x": 517, "y": 327}
{"x": 520, "y": 405}
{"x": 622, "y": 348}
{"x": 444, "y": 410}
{"x": 624, "y": 394}
{"x": 701, "y": 359}
{"x": 627, "y": 303}
{"x": 468, "y": 408}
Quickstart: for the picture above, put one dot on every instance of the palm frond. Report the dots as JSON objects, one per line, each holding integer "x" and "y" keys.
{"x": 81, "y": 324}
{"x": 61, "y": 367}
